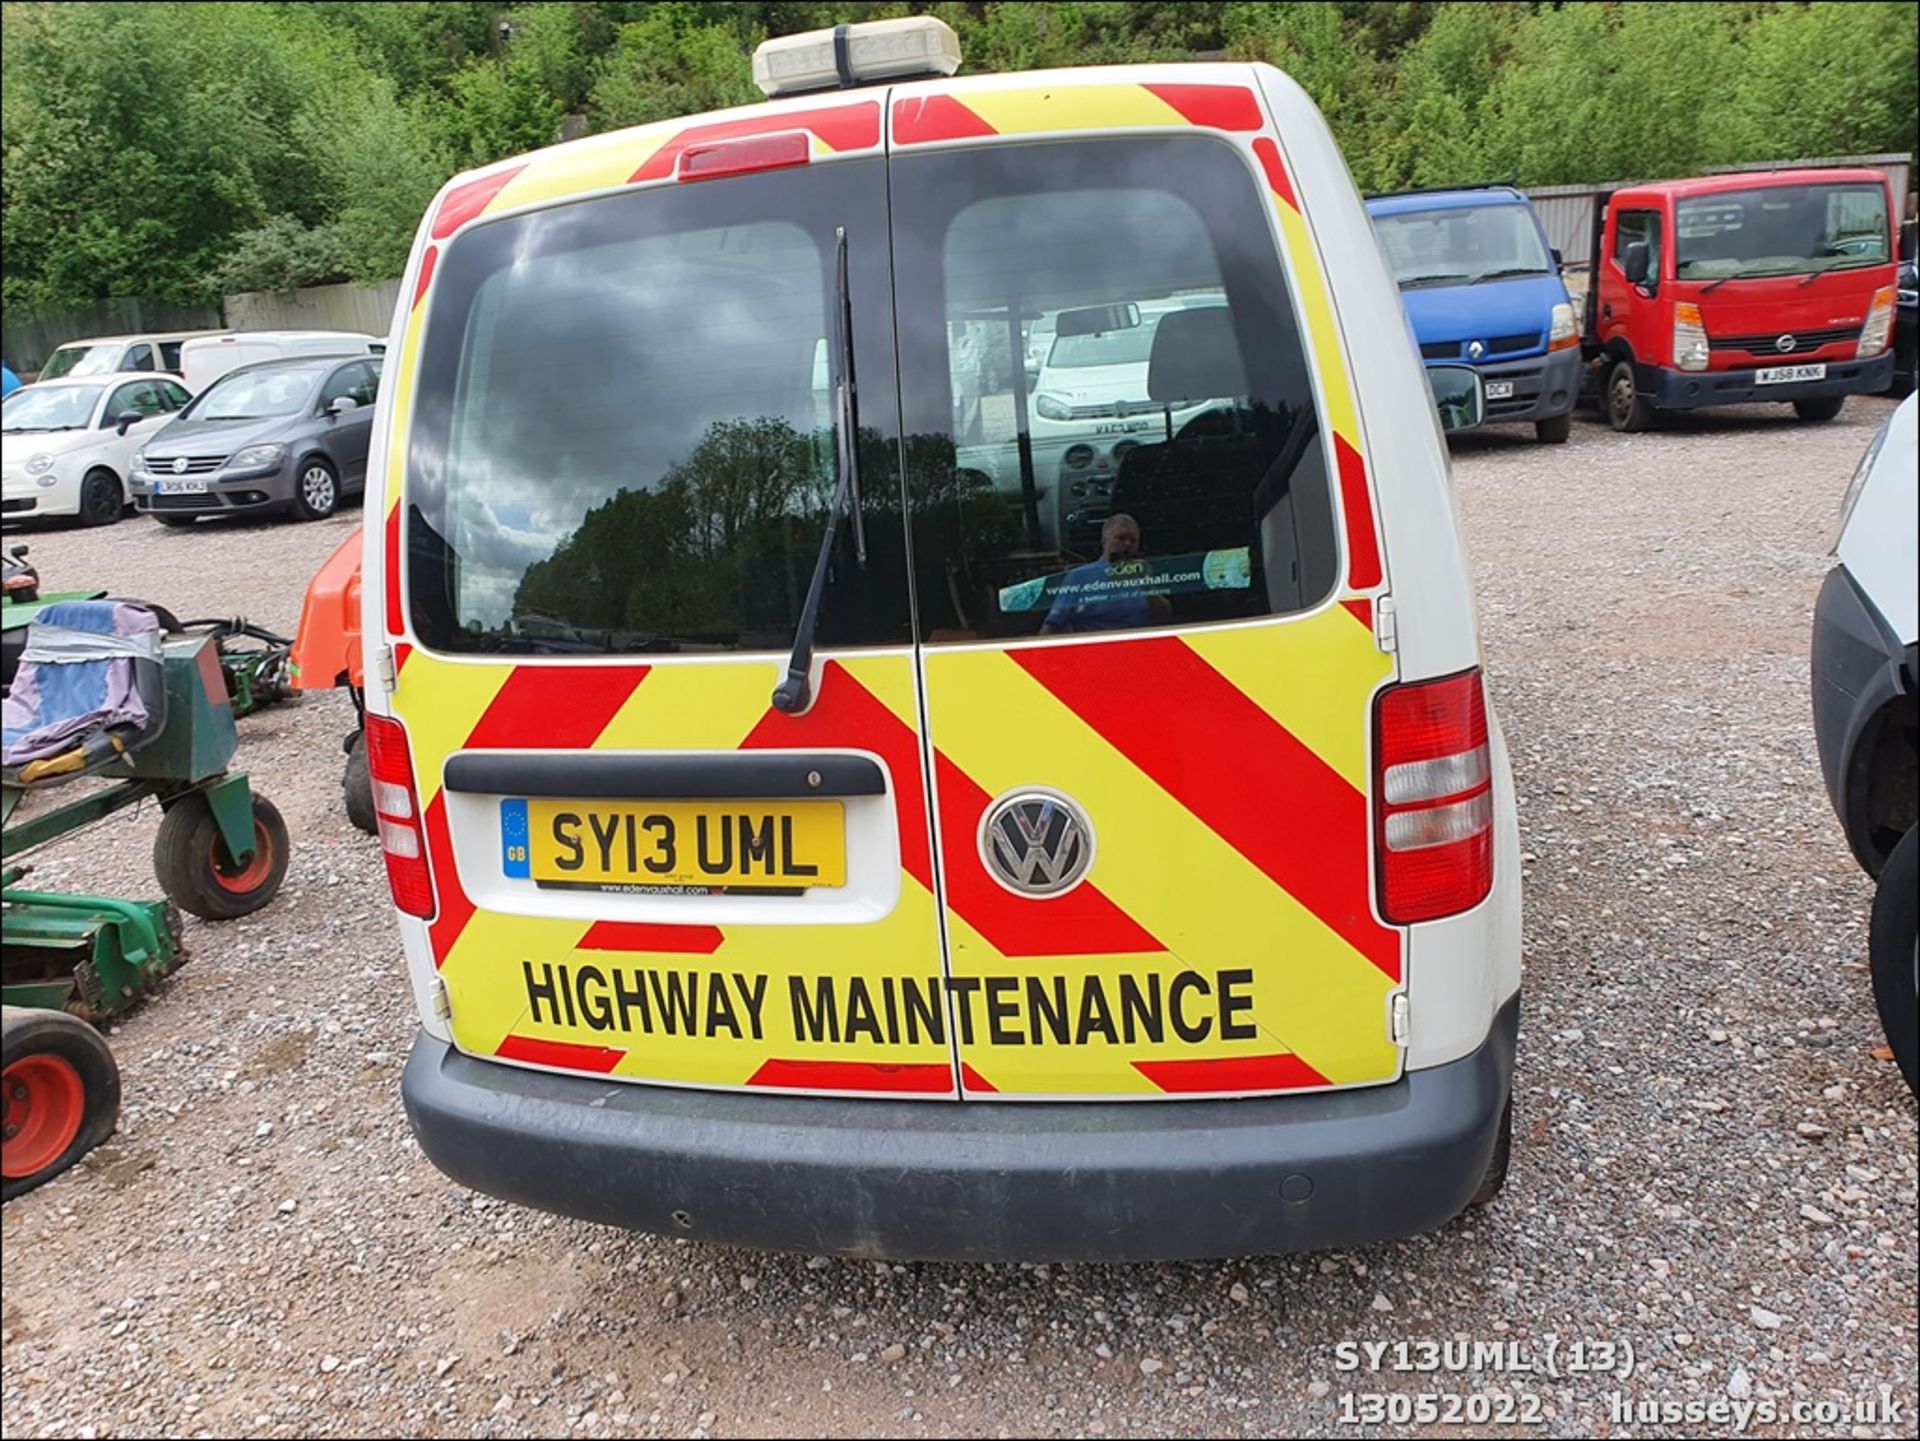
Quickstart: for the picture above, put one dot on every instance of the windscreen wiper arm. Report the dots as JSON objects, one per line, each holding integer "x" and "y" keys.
{"x": 792, "y": 694}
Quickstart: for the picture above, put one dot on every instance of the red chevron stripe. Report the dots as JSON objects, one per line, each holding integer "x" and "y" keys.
{"x": 396, "y": 620}
{"x": 1232, "y": 1073}
{"x": 568, "y": 1055}
{"x": 844, "y": 127}
{"x": 1083, "y": 922}
{"x": 554, "y": 709}
{"x": 1220, "y": 107}
{"x": 1363, "y": 547}
{"x": 643, "y": 936}
{"x": 464, "y": 202}
{"x": 1269, "y": 155}
{"x": 426, "y": 276}
{"x": 454, "y": 909}
{"x": 926, "y": 118}
{"x": 1361, "y": 609}
{"x": 1253, "y": 783}
{"x": 922, "y": 1079}
{"x": 847, "y": 714}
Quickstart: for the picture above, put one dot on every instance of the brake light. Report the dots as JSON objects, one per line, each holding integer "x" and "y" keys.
{"x": 743, "y": 157}
{"x": 1433, "y": 798}
{"x": 396, "y": 805}
{"x": 1879, "y": 327}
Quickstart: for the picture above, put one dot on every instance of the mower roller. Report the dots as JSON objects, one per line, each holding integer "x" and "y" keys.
{"x": 160, "y": 729}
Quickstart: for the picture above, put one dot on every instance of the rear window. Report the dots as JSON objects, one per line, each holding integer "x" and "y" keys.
{"x": 624, "y": 437}
{"x": 1168, "y": 466}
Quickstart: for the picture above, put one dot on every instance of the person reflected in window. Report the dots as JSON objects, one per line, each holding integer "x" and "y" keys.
{"x": 1098, "y": 595}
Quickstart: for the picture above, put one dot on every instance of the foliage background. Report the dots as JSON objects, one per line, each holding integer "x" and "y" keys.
{"x": 181, "y": 151}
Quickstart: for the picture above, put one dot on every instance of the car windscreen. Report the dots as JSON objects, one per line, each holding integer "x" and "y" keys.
{"x": 82, "y": 360}
{"x": 1461, "y": 245}
{"x": 254, "y": 395}
{"x": 1105, "y": 347}
{"x": 49, "y": 407}
{"x": 624, "y": 433}
{"x": 1781, "y": 230}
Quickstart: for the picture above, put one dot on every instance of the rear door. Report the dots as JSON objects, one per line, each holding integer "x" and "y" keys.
{"x": 623, "y": 447}
{"x": 1148, "y": 657}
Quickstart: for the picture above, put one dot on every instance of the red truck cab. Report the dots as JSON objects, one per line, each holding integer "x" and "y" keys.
{"x": 1775, "y": 286}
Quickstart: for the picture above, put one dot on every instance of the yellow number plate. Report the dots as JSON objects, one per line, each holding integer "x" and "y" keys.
{"x": 741, "y": 845}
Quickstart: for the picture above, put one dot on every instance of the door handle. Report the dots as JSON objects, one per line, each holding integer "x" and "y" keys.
{"x": 1606, "y": 311}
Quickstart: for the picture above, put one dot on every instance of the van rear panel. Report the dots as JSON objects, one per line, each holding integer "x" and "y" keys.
{"x": 1082, "y": 806}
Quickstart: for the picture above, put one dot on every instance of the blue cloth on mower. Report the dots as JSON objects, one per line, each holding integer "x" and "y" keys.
{"x": 55, "y": 703}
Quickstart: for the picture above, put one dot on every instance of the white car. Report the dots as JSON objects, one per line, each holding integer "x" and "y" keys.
{"x": 1866, "y": 707}
{"x": 67, "y": 446}
{"x": 111, "y": 354}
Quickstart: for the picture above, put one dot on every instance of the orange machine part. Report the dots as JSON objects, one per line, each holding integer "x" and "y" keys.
{"x": 326, "y": 649}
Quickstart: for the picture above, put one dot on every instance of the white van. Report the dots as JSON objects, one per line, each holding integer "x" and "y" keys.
{"x": 793, "y": 843}
{"x": 206, "y": 359}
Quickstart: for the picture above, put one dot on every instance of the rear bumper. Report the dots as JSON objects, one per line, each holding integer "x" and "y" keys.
{"x": 1543, "y": 385}
{"x": 973, "y": 1181}
{"x": 1690, "y": 389}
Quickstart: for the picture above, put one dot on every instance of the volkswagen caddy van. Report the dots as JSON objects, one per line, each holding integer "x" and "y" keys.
{"x": 797, "y": 840}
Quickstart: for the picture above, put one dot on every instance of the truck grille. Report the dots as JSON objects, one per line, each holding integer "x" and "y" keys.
{"x": 196, "y": 464}
{"x": 1117, "y": 409}
{"x": 1499, "y": 345}
{"x": 1769, "y": 344}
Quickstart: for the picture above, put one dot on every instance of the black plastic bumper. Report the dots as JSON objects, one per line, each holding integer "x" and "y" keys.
{"x": 1860, "y": 673}
{"x": 972, "y": 1181}
{"x": 1543, "y": 386}
{"x": 1691, "y": 389}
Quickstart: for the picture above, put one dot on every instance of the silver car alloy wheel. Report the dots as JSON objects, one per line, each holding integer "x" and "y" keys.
{"x": 316, "y": 488}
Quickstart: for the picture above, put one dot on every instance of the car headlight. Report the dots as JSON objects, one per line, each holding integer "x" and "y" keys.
{"x": 1052, "y": 407}
{"x": 1562, "y": 333}
{"x": 255, "y": 455}
{"x": 39, "y": 464}
{"x": 1858, "y": 483}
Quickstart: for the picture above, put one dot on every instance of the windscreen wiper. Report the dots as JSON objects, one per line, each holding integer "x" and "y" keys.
{"x": 790, "y": 697}
{"x": 1413, "y": 280}
{"x": 1508, "y": 274}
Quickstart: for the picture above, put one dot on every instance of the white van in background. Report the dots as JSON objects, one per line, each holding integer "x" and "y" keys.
{"x": 206, "y": 359}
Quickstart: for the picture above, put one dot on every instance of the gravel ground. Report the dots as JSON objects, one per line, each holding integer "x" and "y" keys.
{"x": 1713, "y": 1169}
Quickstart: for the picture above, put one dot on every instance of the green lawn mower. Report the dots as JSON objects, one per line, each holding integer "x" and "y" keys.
{"x": 102, "y": 698}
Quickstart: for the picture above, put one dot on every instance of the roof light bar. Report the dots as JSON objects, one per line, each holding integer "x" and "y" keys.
{"x": 850, "y": 55}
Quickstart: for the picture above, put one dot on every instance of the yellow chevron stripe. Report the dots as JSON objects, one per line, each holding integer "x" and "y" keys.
{"x": 1320, "y": 694}
{"x": 600, "y": 162}
{"x": 440, "y": 703}
{"x": 1315, "y": 299}
{"x": 1209, "y": 905}
{"x": 1071, "y": 107}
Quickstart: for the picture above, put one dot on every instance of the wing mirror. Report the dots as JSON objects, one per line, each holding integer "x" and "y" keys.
{"x": 1457, "y": 396}
{"x": 342, "y": 404}
{"x": 126, "y": 420}
{"x": 1635, "y": 261}
{"x": 1559, "y": 260}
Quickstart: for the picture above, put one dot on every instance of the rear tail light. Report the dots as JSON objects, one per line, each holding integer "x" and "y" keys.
{"x": 1690, "y": 350}
{"x": 396, "y": 804}
{"x": 1879, "y": 327}
{"x": 1433, "y": 798}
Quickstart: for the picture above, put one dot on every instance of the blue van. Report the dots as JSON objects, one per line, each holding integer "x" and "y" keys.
{"x": 1482, "y": 288}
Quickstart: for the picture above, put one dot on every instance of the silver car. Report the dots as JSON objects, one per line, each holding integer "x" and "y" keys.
{"x": 283, "y": 435}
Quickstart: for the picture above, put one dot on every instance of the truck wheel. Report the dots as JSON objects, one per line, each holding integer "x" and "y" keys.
{"x": 358, "y": 786}
{"x": 1627, "y": 410}
{"x": 200, "y": 876}
{"x": 1555, "y": 430}
{"x": 62, "y": 1092}
{"x": 1894, "y": 948}
{"x": 1816, "y": 411}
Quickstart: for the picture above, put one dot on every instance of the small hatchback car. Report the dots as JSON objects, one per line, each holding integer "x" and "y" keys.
{"x": 800, "y": 838}
{"x": 281, "y": 436}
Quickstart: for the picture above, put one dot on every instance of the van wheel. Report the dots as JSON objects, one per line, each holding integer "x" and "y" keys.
{"x": 1816, "y": 411}
{"x": 358, "y": 785}
{"x": 1555, "y": 430}
{"x": 1496, "y": 1176}
{"x": 100, "y": 498}
{"x": 62, "y": 1093}
{"x": 1627, "y": 410}
{"x": 316, "y": 492}
{"x": 1894, "y": 948}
